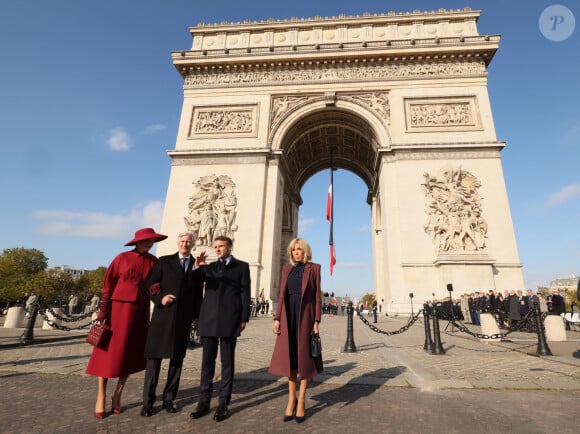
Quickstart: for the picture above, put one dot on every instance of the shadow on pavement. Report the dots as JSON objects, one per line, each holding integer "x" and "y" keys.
{"x": 352, "y": 391}
{"x": 44, "y": 359}
{"x": 15, "y": 374}
{"x": 247, "y": 394}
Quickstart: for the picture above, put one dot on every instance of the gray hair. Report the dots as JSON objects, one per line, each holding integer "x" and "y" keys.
{"x": 187, "y": 234}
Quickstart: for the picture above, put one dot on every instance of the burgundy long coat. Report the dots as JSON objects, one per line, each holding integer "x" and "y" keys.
{"x": 310, "y": 311}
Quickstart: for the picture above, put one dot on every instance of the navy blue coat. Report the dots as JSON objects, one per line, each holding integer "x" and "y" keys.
{"x": 226, "y": 299}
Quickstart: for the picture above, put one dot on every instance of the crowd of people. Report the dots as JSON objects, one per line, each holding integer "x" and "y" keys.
{"x": 259, "y": 306}
{"x": 510, "y": 307}
{"x": 215, "y": 299}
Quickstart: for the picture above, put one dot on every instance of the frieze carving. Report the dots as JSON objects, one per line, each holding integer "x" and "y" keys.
{"x": 378, "y": 102}
{"x": 223, "y": 120}
{"x": 425, "y": 115}
{"x": 345, "y": 71}
{"x": 455, "y": 222}
{"x": 212, "y": 209}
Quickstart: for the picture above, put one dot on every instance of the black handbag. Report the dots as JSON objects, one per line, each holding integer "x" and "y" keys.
{"x": 315, "y": 345}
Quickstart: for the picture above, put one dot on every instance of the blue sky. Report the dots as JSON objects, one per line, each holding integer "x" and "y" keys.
{"x": 90, "y": 103}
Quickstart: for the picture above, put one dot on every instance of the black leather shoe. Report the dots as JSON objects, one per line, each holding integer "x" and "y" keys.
{"x": 201, "y": 410}
{"x": 221, "y": 413}
{"x": 169, "y": 407}
{"x": 146, "y": 411}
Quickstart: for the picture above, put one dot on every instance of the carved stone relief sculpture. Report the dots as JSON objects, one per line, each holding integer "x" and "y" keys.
{"x": 283, "y": 104}
{"x": 441, "y": 114}
{"x": 455, "y": 220}
{"x": 212, "y": 209}
{"x": 343, "y": 72}
{"x": 223, "y": 120}
{"x": 378, "y": 102}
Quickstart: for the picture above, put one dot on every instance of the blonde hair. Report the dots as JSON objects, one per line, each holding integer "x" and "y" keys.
{"x": 304, "y": 246}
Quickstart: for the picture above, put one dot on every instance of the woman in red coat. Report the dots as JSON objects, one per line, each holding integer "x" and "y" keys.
{"x": 297, "y": 316}
{"x": 125, "y": 307}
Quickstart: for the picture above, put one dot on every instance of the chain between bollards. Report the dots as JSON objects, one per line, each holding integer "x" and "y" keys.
{"x": 349, "y": 346}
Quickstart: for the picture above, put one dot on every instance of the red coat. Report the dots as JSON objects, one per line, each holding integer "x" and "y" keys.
{"x": 124, "y": 283}
{"x": 310, "y": 311}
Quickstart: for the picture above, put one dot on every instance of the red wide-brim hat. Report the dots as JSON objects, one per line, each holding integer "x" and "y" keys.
{"x": 146, "y": 234}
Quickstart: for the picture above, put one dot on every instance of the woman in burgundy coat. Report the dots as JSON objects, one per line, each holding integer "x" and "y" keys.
{"x": 125, "y": 307}
{"x": 297, "y": 316}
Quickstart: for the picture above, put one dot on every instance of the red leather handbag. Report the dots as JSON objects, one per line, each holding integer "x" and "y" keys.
{"x": 99, "y": 335}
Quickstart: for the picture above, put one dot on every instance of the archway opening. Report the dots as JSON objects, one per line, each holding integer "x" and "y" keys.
{"x": 330, "y": 137}
{"x": 353, "y": 273}
{"x": 341, "y": 139}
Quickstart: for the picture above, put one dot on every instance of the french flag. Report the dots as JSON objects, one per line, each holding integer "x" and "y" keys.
{"x": 330, "y": 218}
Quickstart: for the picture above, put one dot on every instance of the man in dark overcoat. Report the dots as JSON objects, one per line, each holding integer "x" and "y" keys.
{"x": 175, "y": 288}
{"x": 224, "y": 313}
{"x": 558, "y": 303}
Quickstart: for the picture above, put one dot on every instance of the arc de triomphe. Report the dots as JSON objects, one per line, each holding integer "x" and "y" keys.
{"x": 399, "y": 99}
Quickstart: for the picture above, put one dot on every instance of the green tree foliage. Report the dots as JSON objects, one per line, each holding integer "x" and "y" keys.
{"x": 90, "y": 283}
{"x": 21, "y": 261}
{"x": 50, "y": 284}
{"x": 368, "y": 299}
{"x": 18, "y": 267}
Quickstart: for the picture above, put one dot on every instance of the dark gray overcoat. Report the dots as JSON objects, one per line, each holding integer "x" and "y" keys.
{"x": 170, "y": 325}
{"x": 310, "y": 311}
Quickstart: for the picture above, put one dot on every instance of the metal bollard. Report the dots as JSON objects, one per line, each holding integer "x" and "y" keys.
{"x": 27, "y": 336}
{"x": 428, "y": 346}
{"x": 437, "y": 347}
{"x": 543, "y": 349}
{"x": 349, "y": 346}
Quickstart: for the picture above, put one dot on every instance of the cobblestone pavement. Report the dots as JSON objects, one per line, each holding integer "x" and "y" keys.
{"x": 389, "y": 385}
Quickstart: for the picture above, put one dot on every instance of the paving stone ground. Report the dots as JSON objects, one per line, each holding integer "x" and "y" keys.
{"x": 389, "y": 385}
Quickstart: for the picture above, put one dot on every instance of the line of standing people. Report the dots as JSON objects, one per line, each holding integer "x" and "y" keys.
{"x": 174, "y": 284}
{"x": 216, "y": 296}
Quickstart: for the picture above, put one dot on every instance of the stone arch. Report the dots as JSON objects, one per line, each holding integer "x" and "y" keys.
{"x": 397, "y": 99}
{"x": 343, "y": 134}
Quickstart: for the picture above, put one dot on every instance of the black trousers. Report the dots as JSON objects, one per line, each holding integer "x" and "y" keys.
{"x": 152, "y": 377}
{"x": 227, "y": 348}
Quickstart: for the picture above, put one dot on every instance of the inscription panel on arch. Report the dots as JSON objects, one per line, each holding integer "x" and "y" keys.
{"x": 442, "y": 114}
{"x": 219, "y": 121}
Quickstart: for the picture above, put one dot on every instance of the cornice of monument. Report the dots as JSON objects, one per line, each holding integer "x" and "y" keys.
{"x": 391, "y": 17}
{"x": 496, "y": 145}
{"x": 394, "y": 38}
{"x": 197, "y": 151}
